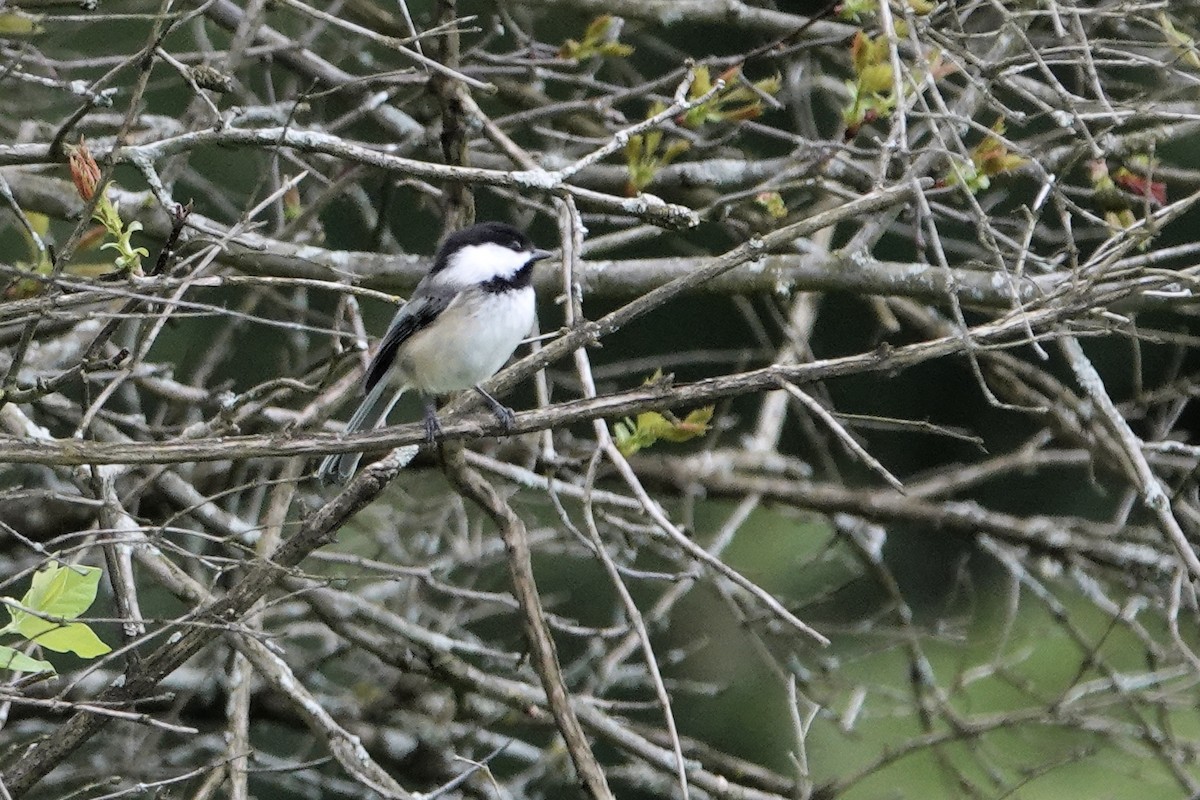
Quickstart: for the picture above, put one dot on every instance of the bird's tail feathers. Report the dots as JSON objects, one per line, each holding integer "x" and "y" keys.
{"x": 374, "y": 408}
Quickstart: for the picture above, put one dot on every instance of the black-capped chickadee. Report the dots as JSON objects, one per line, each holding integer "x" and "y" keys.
{"x": 463, "y": 321}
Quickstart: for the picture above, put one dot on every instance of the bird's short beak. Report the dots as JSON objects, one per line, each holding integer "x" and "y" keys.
{"x": 539, "y": 255}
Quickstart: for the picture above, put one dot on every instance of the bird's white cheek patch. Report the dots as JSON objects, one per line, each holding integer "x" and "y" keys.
{"x": 479, "y": 263}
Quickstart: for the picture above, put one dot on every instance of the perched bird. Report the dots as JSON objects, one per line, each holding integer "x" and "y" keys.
{"x": 463, "y": 321}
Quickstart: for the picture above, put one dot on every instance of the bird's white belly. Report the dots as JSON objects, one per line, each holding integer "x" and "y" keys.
{"x": 469, "y": 342}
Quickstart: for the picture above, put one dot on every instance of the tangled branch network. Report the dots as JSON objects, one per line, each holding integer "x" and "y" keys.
{"x": 854, "y": 454}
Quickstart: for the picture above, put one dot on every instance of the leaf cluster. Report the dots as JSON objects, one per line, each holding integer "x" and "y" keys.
{"x": 47, "y": 614}
{"x": 652, "y": 426}
{"x": 600, "y": 39}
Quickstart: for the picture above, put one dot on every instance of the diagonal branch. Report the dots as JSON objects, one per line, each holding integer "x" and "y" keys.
{"x": 545, "y": 655}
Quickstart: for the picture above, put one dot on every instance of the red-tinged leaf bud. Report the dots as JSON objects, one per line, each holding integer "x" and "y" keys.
{"x": 85, "y": 172}
{"x": 92, "y": 238}
{"x": 1155, "y": 191}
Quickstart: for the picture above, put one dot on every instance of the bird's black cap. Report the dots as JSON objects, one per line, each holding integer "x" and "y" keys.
{"x": 500, "y": 233}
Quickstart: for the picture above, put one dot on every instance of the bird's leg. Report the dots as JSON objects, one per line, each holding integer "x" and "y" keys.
{"x": 432, "y": 428}
{"x": 503, "y": 413}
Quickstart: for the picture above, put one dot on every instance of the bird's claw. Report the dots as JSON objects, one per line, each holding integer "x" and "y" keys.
{"x": 506, "y": 416}
{"x": 433, "y": 429}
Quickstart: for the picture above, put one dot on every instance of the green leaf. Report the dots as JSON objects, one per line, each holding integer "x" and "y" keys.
{"x": 631, "y": 436}
{"x": 18, "y": 23}
{"x": 600, "y": 39}
{"x": 598, "y": 28}
{"x": 19, "y": 662}
{"x": 735, "y": 103}
{"x": 1185, "y": 45}
{"x": 693, "y": 425}
{"x": 40, "y": 224}
{"x": 644, "y": 156}
{"x": 773, "y": 203}
{"x": 626, "y": 437}
{"x": 63, "y": 591}
{"x": 74, "y": 637}
{"x": 854, "y": 10}
{"x": 675, "y": 148}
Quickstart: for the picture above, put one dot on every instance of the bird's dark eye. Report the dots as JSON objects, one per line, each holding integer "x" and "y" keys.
{"x": 515, "y": 245}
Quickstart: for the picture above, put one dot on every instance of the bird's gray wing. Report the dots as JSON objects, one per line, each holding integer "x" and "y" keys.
{"x": 424, "y": 307}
